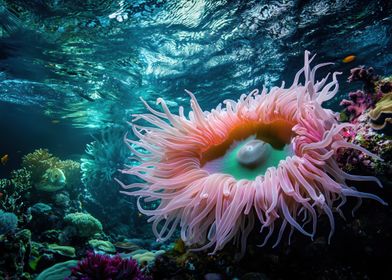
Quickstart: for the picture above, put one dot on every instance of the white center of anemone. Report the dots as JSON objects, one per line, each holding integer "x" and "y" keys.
{"x": 253, "y": 153}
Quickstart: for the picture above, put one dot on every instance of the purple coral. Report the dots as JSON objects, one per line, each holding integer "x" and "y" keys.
{"x": 358, "y": 103}
{"x": 106, "y": 267}
{"x": 366, "y": 75}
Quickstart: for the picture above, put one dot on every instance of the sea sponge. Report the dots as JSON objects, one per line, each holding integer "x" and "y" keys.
{"x": 381, "y": 115}
{"x": 84, "y": 224}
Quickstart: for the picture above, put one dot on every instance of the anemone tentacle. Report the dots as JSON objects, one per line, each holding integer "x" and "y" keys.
{"x": 182, "y": 160}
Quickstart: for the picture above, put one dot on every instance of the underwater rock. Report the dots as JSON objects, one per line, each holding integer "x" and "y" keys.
{"x": 52, "y": 180}
{"x": 102, "y": 245}
{"x": 84, "y": 224}
{"x": 43, "y": 218}
{"x": 58, "y": 271}
{"x": 15, "y": 251}
{"x": 381, "y": 115}
{"x": 62, "y": 199}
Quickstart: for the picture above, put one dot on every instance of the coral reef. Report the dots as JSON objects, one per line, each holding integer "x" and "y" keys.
{"x": 96, "y": 266}
{"x": 372, "y": 128}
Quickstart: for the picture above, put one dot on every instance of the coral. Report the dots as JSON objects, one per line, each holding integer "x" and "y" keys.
{"x": 191, "y": 166}
{"x": 356, "y": 162}
{"x": 58, "y": 271}
{"x": 38, "y": 162}
{"x": 96, "y": 266}
{"x": 104, "y": 157}
{"x": 66, "y": 251}
{"x": 15, "y": 251}
{"x": 43, "y": 165}
{"x": 381, "y": 115}
{"x": 52, "y": 180}
{"x": 366, "y": 75}
{"x": 84, "y": 224}
{"x": 14, "y": 192}
{"x": 145, "y": 257}
{"x": 359, "y": 102}
{"x": 8, "y": 222}
{"x": 71, "y": 170}
{"x": 102, "y": 245}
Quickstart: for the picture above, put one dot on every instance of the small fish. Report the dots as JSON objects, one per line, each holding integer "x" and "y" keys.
{"x": 349, "y": 58}
{"x": 55, "y": 121}
{"x": 4, "y": 159}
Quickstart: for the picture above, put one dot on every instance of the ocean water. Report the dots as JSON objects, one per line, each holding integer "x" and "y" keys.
{"x": 73, "y": 72}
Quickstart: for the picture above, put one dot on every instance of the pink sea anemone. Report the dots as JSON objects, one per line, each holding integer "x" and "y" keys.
{"x": 268, "y": 156}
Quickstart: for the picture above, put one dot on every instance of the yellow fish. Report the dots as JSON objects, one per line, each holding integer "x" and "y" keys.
{"x": 4, "y": 159}
{"x": 349, "y": 58}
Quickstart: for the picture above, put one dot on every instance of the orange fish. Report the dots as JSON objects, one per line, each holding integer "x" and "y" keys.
{"x": 349, "y": 58}
{"x": 4, "y": 159}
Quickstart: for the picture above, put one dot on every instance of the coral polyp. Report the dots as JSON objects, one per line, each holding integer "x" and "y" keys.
{"x": 269, "y": 156}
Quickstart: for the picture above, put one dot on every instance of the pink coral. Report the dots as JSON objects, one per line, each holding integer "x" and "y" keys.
{"x": 182, "y": 159}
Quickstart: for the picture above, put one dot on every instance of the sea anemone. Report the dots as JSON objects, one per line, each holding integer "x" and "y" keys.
{"x": 268, "y": 156}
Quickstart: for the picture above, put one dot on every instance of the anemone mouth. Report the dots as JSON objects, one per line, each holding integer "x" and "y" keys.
{"x": 250, "y": 149}
{"x": 216, "y": 203}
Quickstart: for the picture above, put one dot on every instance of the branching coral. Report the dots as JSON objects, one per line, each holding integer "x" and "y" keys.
{"x": 14, "y": 190}
{"x": 192, "y": 167}
{"x": 43, "y": 164}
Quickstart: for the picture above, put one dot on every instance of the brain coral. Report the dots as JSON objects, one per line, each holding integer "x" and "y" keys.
{"x": 85, "y": 224}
